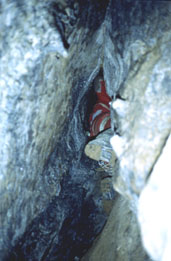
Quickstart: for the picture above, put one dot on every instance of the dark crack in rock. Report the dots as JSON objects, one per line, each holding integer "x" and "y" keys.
{"x": 45, "y": 189}
{"x": 51, "y": 205}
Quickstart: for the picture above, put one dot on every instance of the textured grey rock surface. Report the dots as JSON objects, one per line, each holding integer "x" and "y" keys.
{"x": 31, "y": 112}
{"x": 137, "y": 72}
{"x": 142, "y": 113}
{"x": 51, "y": 207}
{"x": 120, "y": 239}
{"x": 142, "y": 123}
{"x": 40, "y": 198}
{"x": 154, "y": 214}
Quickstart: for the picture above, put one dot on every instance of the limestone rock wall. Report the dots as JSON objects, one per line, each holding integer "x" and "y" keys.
{"x": 34, "y": 105}
{"x": 43, "y": 87}
{"x": 142, "y": 111}
{"x": 51, "y": 206}
{"x": 153, "y": 210}
{"x": 120, "y": 239}
{"x": 137, "y": 72}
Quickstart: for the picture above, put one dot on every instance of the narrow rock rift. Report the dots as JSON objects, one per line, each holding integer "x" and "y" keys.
{"x": 75, "y": 215}
{"x": 54, "y": 200}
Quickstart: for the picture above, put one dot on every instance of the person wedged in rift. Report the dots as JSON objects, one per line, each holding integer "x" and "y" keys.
{"x": 99, "y": 147}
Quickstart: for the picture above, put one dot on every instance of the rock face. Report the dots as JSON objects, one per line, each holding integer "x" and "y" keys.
{"x": 143, "y": 123}
{"x": 52, "y": 203}
{"x": 120, "y": 239}
{"x": 154, "y": 214}
{"x": 49, "y": 190}
{"x": 31, "y": 112}
{"x": 141, "y": 115}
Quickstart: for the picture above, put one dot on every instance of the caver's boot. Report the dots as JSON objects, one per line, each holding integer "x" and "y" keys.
{"x": 100, "y": 148}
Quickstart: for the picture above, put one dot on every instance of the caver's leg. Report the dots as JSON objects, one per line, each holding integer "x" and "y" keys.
{"x": 99, "y": 148}
{"x": 100, "y": 117}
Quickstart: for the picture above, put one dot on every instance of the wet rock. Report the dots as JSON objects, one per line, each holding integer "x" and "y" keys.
{"x": 43, "y": 186}
{"x": 144, "y": 122}
{"x": 34, "y": 106}
{"x": 52, "y": 196}
{"x": 120, "y": 239}
{"x": 142, "y": 119}
{"x": 154, "y": 213}
{"x": 136, "y": 66}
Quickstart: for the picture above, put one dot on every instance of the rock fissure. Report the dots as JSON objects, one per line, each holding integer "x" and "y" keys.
{"x": 54, "y": 199}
